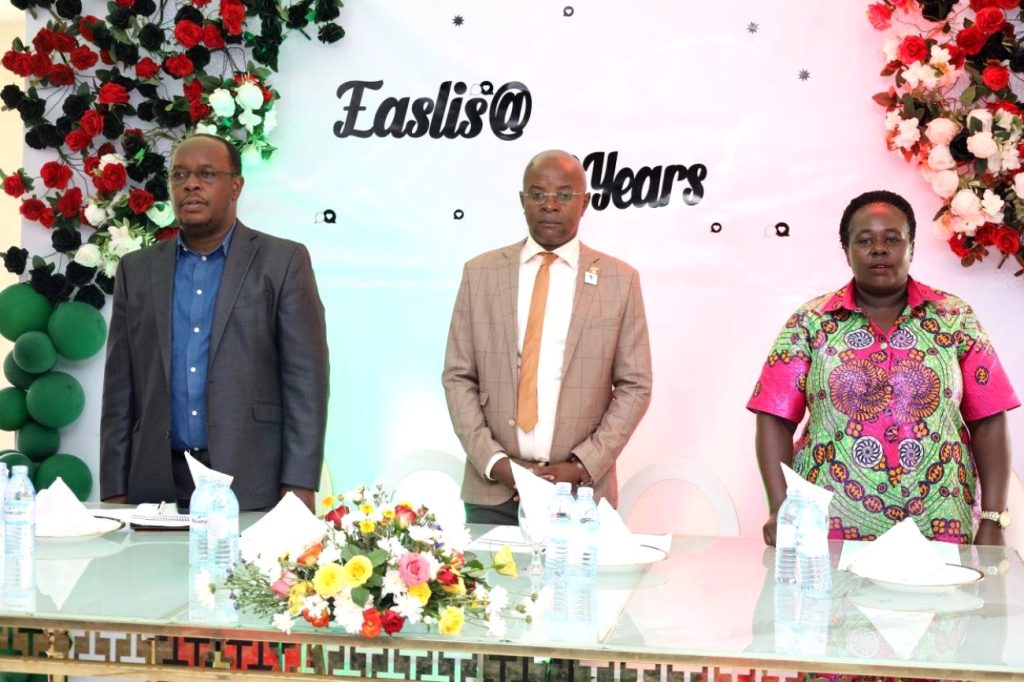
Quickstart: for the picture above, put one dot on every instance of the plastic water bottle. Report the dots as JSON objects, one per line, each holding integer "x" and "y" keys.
{"x": 222, "y": 530}
{"x": 198, "y": 509}
{"x": 583, "y": 567}
{"x": 19, "y": 536}
{"x": 786, "y": 564}
{"x": 787, "y": 615}
{"x": 814, "y": 567}
{"x": 3, "y": 488}
{"x": 556, "y": 556}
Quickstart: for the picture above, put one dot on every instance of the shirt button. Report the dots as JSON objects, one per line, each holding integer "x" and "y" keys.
{"x": 199, "y": 292}
{"x": 511, "y": 422}
{"x": 195, "y": 329}
{"x": 192, "y": 369}
{"x": 204, "y": 258}
{"x": 883, "y": 345}
{"x": 194, "y": 413}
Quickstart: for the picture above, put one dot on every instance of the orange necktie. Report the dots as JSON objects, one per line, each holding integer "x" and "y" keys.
{"x": 527, "y": 402}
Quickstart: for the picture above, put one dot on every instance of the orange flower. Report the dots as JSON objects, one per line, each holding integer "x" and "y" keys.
{"x": 309, "y": 557}
{"x": 371, "y": 623}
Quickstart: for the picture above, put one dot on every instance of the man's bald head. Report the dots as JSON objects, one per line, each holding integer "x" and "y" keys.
{"x": 560, "y": 158}
{"x": 554, "y": 197}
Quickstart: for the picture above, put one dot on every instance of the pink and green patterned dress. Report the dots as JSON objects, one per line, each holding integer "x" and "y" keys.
{"x": 887, "y": 429}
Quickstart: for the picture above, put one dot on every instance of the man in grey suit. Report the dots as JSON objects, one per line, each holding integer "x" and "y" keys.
{"x": 217, "y": 347}
{"x": 548, "y": 361}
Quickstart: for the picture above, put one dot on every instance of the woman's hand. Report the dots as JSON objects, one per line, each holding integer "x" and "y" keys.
{"x": 769, "y": 530}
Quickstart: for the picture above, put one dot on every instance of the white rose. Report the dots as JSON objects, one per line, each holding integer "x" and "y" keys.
{"x": 940, "y": 159}
{"x": 1018, "y": 185}
{"x": 107, "y": 159}
{"x": 249, "y": 96}
{"x": 943, "y": 227}
{"x": 967, "y": 205}
{"x": 889, "y": 49}
{"x": 992, "y": 204}
{"x": 249, "y": 119}
{"x": 982, "y": 115}
{"x": 96, "y": 214}
{"x": 945, "y": 183}
{"x": 907, "y": 134}
{"x": 110, "y": 267}
{"x": 88, "y": 255}
{"x": 941, "y": 131}
{"x": 982, "y": 145}
{"x": 892, "y": 119}
{"x": 269, "y": 121}
{"x": 921, "y": 74}
{"x": 161, "y": 213}
{"x": 939, "y": 56}
{"x": 222, "y": 102}
{"x": 122, "y": 242}
{"x": 1004, "y": 119}
{"x": 206, "y": 128}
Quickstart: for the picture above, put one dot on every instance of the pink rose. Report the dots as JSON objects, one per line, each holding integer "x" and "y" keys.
{"x": 413, "y": 569}
{"x": 281, "y": 588}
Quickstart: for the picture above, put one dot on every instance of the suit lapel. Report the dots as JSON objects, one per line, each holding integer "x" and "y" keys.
{"x": 508, "y": 302}
{"x": 244, "y": 246}
{"x": 581, "y": 304}
{"x": 162, "y": 277}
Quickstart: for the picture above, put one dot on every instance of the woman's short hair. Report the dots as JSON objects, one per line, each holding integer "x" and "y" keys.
{"x": 878, "y": 196}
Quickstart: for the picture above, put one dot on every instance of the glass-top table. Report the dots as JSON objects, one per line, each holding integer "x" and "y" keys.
{"x": 119, "y": 605}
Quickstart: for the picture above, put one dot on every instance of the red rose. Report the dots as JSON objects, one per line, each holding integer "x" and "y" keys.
{"x": 165, "y": 233}
{"x": 977, "y": 5}
{"x": 63, "y": 42}
{"x": 41, "y": 65}
{"x": 32, "y": 209}
{"x": 106, "y": 58}
{"x": 113, "y": 94}
{"x": 212, "y": 37}
{"x": 986, "y": 234}
{"x": 371, "y": 623}
{"x": 147, "y": 68}
{"x": 1008, "y": 240}
{"x": 392, "y": 622}
{"x": 336, "y": 515}
{"x": 127, "y": 4}
{"x": 83, "y": 58}
{"x": 446, "y": 576}
{"x": 404, "y": 515}
{"x": 47, "y": 217}
{"x": 193, "y": 90}
{"x": 989, "y": 20}
{"x": 44, "y": 41}
{"x": 958, "y": 245}
{"x": 77, "y": 140}
{"x": 61, "y": 74}
{"x": 1004, "y": 106}
{"x": 55, "y": 175}
{"x": 140, "y": 200}
{"x": 880, "y": 16}
{"x": 90, "y": 164}
{"x": 200, "y": 3}
{"x": 188, "y": 33}
{"x": 112, "y": 178}
{"x": 1007, "y": 4}
{"x": 85, "y": 25}
{"x": 70, "y": 202}
{"x": 105, "y": 148}
{"x": 23, "y": 64}
{"x": 956, "y": 55}
{"x": 995, "y": 76}
{"x": 91, "y": 122}
{"x": 197, "y": 110}
{"x": 13, "y": 185}
{"x": 233, "y": 14}
{"x": 178, "y": 66}
{"x": 971, "y": 40}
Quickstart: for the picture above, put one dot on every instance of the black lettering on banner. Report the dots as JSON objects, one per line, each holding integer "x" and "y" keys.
{"x": 449, "y": 115}
{"x": 647, "y": 186}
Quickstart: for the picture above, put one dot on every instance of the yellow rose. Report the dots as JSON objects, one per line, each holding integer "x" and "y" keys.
{"x": 458, "y": 588}
{"x": 329, "y": 579}
{"x": 505, "y": 563}
{"x": 366, "y": 527}
{"x": 421, "y": 592}
{"x": 356, "y": 571}
{"x": 451, "y": 621}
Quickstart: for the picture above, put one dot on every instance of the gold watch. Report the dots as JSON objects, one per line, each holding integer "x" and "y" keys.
{"x": 1000, "y": 517}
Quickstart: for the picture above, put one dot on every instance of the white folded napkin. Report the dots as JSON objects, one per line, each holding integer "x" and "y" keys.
{"x": 59, "y": 514}
{"x": 201, "y": 472}
{"x": 287, "y": 528}
{"x": 535, "y": 495}
{"x": 899, "y": 555}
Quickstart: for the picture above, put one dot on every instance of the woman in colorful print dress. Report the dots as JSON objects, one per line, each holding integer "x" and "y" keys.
{"x": 907, "y": 398}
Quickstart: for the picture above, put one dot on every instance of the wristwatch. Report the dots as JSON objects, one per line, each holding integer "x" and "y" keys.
{"x": 1000, "y": 517}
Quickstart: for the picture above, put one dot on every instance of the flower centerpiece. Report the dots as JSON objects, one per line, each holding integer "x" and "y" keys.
{"x": 377, "y": 568}
{"x": 952, "y": 112}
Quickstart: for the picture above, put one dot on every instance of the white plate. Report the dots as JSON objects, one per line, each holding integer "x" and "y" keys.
{"x": 876, "y": 597}
{"x": 641, "y": 555}
{"x": 103, "y": 526}
{"x": 946, "y": 579}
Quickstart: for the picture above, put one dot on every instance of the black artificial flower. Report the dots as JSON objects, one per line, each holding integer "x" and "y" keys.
{"x": 113, "y": 126}
{"x": 33, "y": 140}
{"x": 54, "y": 287}
{"x": 74, "y": 106}
{"x": 1017, "y": 61}
{"x": 330, "y": 33}
{"x": 124, "y": 52}
{"x": 106, "y": 284}
{"x": 11, "y": 95}
{"x": 327, "y": 10}
{"x": 189, "y": 12}
{"x": 132, "y": 144}
{"x": 92, "y": 295}
{"x": 936, "y": 10}
{"x": 147, "y": 110}
{"x": 151, "y": 37}
{"x": 15, "y": 259}
{"x": 958, "y": 148}
{"x": 152, "y": 163}
{"x": 124, "y": 81}
{"x": 49, "y": 135}
{"x": 78, "y": 274}
{"x": 994, "y": 48}
{"x": 263, "y": 8}
{"x": 297, "y": 14}
{"x": 172, "y": 118}
{"x": 270, "y": 29}
{"x": 31, "y": 109}
{"x": 158, "y": 188}
{"x": 69, "y": 9}
{"x": 265, "y": 51}
{"x": 120, "y": 17}
{"x": 143, "y": 8}
{"x": 66, "y": 240}
{"x": 135, "y": 172}
{"x": 64, "y": 125}
{"x": 21, "y": 4}
{"x": 101, "y": 35}
{"x": 43, "y": 3}
{"x": 146, "y": 89}
{"x": 199, "y": 55}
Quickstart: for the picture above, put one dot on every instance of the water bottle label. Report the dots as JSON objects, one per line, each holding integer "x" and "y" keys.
{"x": 19, "y": 511}
{"x": 221, "y": 528}
{"x": 785, "y": 536}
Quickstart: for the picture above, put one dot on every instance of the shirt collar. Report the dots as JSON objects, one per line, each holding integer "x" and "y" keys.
{"x": 226, "y": 244}
{"x": 917, "y": 295}
{"x": 568, "y": 252}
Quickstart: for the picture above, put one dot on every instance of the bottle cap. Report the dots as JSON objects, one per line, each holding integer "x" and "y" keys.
{"x": 563, "y": 487}
{"x": 585, "y": 492}
{"x": 20, "y": 469}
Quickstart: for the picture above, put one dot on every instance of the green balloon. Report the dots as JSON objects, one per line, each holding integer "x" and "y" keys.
{"x": 34, "y": 352}
{"x": 13, "y": 458}
{"x": 13, "y": 412}
{"x": 55, "y": 399}
{"x": 78, "y": 330}
{"x": 15, "y": 374}
{"x": 73, "y": 470}
{"x": 37, "y": 442}
{"x": 22, "y": 309}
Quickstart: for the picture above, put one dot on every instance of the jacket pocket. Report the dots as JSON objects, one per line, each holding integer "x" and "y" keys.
{"x": 266, "y": 412}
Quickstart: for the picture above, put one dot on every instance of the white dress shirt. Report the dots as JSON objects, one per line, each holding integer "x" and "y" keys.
{"x": 536, "y": 445}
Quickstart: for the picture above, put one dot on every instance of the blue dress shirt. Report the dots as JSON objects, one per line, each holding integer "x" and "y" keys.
{"x": 196, "y": 283}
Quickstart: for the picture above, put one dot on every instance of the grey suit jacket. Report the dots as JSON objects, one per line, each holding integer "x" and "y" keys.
{"x": 606, "y": 369}
{"x": 266, "y": 393}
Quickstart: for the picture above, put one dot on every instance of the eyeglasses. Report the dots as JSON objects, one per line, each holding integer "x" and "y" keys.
{"x": 208, "y": 176}
{"x": 542, "y": 197}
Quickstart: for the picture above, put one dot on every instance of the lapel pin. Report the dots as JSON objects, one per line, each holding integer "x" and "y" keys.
{"x": 590, "y": 276}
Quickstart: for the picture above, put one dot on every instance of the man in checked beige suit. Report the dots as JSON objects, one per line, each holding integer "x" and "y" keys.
{"x": 548, "y": 361}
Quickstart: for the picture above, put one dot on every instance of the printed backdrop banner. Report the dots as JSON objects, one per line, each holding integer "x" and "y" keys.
{"x": 721, "y": 140}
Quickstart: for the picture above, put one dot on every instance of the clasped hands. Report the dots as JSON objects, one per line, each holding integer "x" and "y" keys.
{"x": 556, "y": 472}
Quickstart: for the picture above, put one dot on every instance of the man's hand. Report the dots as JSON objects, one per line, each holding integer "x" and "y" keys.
{"x": 562, "y": 471}
{"x": 116, "y": 499}
{"x": 502, "y": 471}
{"x": 307, "y": 496}
{"x": 989, "y": 533}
